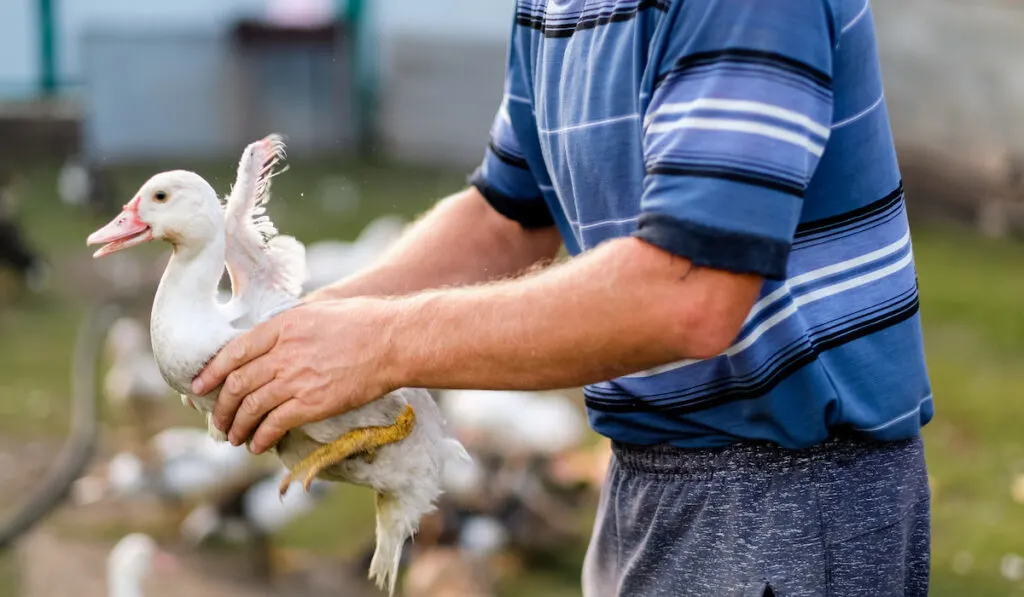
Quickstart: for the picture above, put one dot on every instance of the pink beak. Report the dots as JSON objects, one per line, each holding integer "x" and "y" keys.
{"x": 126, "y": 230}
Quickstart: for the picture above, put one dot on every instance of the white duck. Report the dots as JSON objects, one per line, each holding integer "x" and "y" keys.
{"x": 131, "y": 561}
{"x": 401, "y": 436}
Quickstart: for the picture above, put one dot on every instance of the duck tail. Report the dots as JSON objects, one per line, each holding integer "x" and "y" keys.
{"x": 394, "y": 526}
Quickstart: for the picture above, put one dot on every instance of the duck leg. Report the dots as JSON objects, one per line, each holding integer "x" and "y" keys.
{"x": 364, "y": 440}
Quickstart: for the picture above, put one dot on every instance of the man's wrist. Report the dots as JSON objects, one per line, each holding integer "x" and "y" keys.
{"x": 395, "y": 350}
{"x": 410, "y": 348}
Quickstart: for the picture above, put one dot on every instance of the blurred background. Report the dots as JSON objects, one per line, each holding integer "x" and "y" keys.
{"x": 386, "y": 105}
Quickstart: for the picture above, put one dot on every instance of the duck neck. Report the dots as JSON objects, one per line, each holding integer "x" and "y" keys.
{"x": 125, "y": 582}
{"x": 192, "y": 276}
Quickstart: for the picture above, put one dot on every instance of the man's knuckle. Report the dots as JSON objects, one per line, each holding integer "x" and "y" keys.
{"x": 234, "y": 383}
{"x": 266, "y": 435}
{"x": 238, "y": 352}
{"x": 250, "y": 406}
{"x": 270, "y": 428}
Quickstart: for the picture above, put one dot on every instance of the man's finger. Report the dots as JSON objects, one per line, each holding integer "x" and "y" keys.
{"x": 240, "y": 383}
{"x": 281, "y": 420}
{"x": 254, "y": 407}
{"x": 254, "y": 343}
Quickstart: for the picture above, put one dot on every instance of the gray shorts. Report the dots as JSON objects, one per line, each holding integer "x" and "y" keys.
{"x": 844, "y": 518}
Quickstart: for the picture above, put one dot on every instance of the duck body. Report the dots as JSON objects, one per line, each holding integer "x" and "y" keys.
{"x": 396, "y": 445}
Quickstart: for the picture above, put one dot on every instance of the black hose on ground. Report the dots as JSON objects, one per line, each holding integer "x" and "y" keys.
{"x": 81, "y": 443}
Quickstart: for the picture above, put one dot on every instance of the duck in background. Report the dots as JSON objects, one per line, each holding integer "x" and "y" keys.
{"x": 251, "y": 511}
{"x": 331, "y": 260}
{"x": 133, "y": 385}
{"x": 16, "y": 254}
{"x": 131, "y": 561}
{"x": 514, "y": 422}
{"x": 83, "y": 184}
{"x": 184, "y": 466}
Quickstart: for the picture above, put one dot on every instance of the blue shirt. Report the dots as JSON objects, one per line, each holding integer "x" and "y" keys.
{"x": 744, "y": 135}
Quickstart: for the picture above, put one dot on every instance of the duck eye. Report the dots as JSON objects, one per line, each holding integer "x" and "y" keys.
{"x": 160, "y": 196}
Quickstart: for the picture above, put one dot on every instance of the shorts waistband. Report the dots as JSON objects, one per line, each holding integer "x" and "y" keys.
{"x": 749, "y": 456}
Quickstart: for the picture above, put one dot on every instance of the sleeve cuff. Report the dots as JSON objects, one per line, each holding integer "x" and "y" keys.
{"x": 529, "y": 213}
{"x": 713, "y": 247}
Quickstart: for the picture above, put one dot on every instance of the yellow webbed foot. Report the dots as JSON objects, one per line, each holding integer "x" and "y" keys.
{"x": 364, "y": 440}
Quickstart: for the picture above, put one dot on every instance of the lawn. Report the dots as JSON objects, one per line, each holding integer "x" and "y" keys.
{"x": 972, "y": 305}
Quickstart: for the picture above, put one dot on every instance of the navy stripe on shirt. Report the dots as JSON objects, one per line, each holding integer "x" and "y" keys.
{"x": 529, "y": 213}
{"x": 748, "y": 56}
{"x": 788, "y": 363}
{"x": 508, "y": 157}
{"x": 617, "y": 14}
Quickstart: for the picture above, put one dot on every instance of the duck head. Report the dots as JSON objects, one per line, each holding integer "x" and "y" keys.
{"x": 178, "y": 206}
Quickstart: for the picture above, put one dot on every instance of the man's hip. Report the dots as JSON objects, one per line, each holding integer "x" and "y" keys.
{"x": 847, "y": 517}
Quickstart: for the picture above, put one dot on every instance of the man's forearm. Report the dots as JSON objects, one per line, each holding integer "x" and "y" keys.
{"x": 621, "y": 308}
{"x": 461, "y": 241}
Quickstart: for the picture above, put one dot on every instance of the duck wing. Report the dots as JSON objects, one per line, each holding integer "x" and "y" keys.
{"x": 267, "y": 270}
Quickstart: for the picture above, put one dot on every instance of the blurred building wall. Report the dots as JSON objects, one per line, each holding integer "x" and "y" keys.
{"x": 19, "y": 40}
{"x": 953, "y": 81}
{"x": 439, "y": 76}
{"x": 19, "y": 30}
{"x": 442, "y": 74}
{"x": 954, "y": 74}
{"x": 157, "y": 94}
{"x": 189, "y": 92}
{"x": 950, "y": 66}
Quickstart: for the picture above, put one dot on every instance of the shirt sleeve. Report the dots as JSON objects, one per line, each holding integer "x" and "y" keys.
{"x": 504, "y": 176}
{"x": 737, "y": 123}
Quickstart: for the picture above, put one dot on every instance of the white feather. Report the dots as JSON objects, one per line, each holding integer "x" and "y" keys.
{"x": 267, "y": 270}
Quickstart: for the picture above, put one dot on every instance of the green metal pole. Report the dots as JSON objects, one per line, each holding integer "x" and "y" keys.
{"x": 47, "y": 47}
{"x": 362, "y": 69}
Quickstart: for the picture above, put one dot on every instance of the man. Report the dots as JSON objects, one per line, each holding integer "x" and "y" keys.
{"x": 741, "y": 304}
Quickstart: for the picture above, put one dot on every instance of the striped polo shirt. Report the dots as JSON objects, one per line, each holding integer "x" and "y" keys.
{"x": 745, "y": 135}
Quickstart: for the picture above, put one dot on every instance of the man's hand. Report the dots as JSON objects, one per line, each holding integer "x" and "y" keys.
{"x": 307, "y": 364}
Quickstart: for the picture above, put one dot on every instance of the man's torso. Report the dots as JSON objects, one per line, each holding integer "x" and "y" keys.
{"x": 836, "y": 344}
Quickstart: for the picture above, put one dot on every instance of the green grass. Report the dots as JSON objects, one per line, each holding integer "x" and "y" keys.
{"x": 973, "y": 311}
{"x": 972, "y": 307}
{"x": 8, "y": 577}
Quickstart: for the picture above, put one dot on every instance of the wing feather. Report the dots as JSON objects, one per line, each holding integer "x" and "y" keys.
{"x": 267, "y": 269}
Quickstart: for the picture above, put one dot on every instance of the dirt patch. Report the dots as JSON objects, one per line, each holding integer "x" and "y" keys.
{"x": 52, "y": 565}
{"x": 22, "y": 465}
